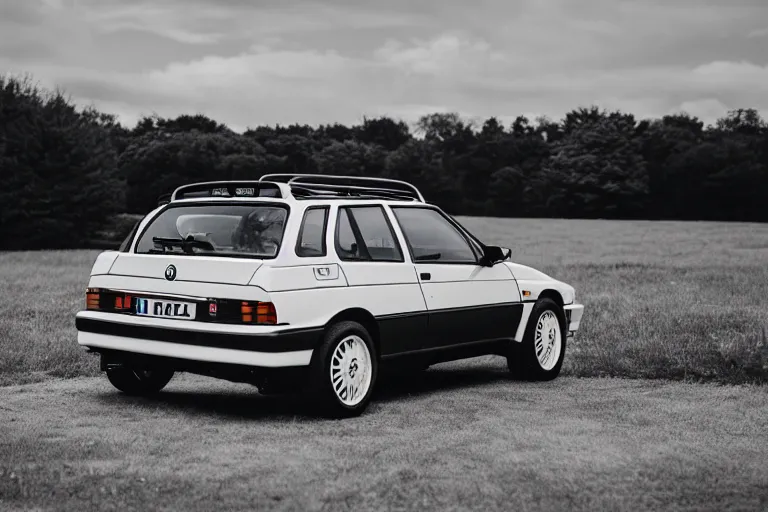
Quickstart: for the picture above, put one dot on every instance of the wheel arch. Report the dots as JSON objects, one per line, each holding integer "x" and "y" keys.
{"x": 550, "y": 293}
{"x": 554, "y": 295}
{"x": 364, "y": 318}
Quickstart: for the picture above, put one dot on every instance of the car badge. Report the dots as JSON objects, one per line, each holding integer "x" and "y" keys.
{"x": 170, "y": 273}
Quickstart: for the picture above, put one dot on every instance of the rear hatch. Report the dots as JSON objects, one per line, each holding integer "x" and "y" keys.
{"x": 193, "y": 261}
{"x": 200, "y": 249}
{"x": 200, "y": 269}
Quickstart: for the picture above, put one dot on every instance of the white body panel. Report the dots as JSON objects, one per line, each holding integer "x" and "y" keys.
{"x": 576, "y": 311}
{"x": 458, "y": 286}
{"x": 527, "y": 307}
{"x": 536, "y": 282}
{"x": 304, "y": 277}
{"x": 308, "y": 308}
{"x": 195, "y": 353}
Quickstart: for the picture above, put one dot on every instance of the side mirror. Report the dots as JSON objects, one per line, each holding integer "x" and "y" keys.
{"x": 494, "y": 255}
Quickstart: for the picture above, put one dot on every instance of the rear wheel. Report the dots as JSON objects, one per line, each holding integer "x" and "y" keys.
{"x": 139, "y": 382}
{"x": 343, "y": 371}
{"x": 540, "y": 355}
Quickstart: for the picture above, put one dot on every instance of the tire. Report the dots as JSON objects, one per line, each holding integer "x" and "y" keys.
{"x": 547, "y": 319}
{"x": 139, "y": 382}
{"x": 345, "y": 360}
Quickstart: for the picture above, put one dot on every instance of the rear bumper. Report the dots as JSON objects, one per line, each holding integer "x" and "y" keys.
{"x": 573, "y": 314}
{"x": 274, "y": 348}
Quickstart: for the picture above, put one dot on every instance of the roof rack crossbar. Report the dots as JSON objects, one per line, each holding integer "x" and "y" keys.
{"x": 341, "y": 182}
{"x": 354, "y": 190}
{"x": 231, "y": 187}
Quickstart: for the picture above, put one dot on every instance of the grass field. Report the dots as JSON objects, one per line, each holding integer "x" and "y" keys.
{"x": 460, "y": 436}
{"x": 663, "y": 299}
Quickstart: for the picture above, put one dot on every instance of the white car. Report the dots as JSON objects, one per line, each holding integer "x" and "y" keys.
{"x": 310, "y": 283}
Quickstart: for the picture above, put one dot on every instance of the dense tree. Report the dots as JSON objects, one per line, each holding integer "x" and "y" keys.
{"x": 335, "y": 132}
{"x": 672, "y": 148}
{"x": 58, "y": 184}
{"x": 506, "y": 192}
{"x": 596, "y": 169}
{"x": 157, "y": 162}
{"x": 182, "y": 123}
{"x": 64, "y": 171}
{"x": 385, "y": 132}
{"x": 350, "y": 158}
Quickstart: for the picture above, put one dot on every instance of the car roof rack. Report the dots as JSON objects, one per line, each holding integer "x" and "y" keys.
{"x": 329, "y": 186}
{"x": 227, "y": 189}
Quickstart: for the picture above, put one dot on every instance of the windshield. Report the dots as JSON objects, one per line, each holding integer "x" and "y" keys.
{"x": 216, "y": 230}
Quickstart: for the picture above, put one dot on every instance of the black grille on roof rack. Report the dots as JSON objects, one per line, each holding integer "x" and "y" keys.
{"x": 227, "y": 189}
{"x": 329, "y": 186}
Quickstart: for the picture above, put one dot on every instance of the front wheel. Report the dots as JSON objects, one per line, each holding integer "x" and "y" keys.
{"x": 132, "y": 381}
{"x": 540, "y": 355}
{"x": 343, "y": 371}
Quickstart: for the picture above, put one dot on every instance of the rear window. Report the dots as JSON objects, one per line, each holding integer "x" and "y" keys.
{"x": 249, "y": 231}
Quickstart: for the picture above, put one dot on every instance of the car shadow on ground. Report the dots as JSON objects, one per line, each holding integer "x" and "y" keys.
{"x": 395, "y": 385}
{"x": 245, "y": 402}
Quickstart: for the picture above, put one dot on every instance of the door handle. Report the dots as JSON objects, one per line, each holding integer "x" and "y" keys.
{"x": 425, "y": 276}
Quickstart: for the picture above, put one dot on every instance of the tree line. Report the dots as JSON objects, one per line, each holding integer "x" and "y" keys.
{"x": 66, "y": 173}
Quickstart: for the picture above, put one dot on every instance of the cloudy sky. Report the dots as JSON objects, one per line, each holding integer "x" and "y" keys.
{"x": 251, "y": 62}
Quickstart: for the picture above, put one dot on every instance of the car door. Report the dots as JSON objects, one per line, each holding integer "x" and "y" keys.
{"x": 466, "y": 301}
{"x": 380, "y": 280}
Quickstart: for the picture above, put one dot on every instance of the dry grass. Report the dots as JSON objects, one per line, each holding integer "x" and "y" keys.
{"x": 663, "y": 299}
{"x": 460, "y": 436}
{"x": 41, "y": 293}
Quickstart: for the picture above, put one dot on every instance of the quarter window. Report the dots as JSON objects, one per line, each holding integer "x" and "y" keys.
{"x": 312, "y": 234}
{"x": 364, "y": 233}
{"x": 129, "y": 239}
{"x": 432, "y": 238}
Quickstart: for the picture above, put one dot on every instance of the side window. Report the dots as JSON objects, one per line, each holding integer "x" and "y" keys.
{"x": 364, "y": 233}
{"x": 311, "y": 240}
{"x": 432, "y": 238}
{"x": 346, "y": 245}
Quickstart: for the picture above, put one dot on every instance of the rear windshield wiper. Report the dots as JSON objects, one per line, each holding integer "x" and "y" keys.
{"x": 186, "y": 244}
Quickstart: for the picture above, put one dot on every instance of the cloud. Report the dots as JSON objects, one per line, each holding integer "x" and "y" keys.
{"x": 446, "y": 54}
{"x": 707, "y": 108}
{"x": 207, "y": 22}
{"x": 733, "y": 75}
{"x": 324, "y": 62}
{"x": 760, "y": 32}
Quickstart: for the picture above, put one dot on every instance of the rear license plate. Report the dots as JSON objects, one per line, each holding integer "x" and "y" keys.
{"x": 165, "y": 309}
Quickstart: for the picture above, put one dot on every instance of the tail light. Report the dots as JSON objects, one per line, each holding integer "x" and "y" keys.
{"x": 97, "y": 299}
{"x": 123, "y": 303}
{"x": 92, "y": 296}
{"x": 219, "y": 310}
{"x": 258, "y": 313}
